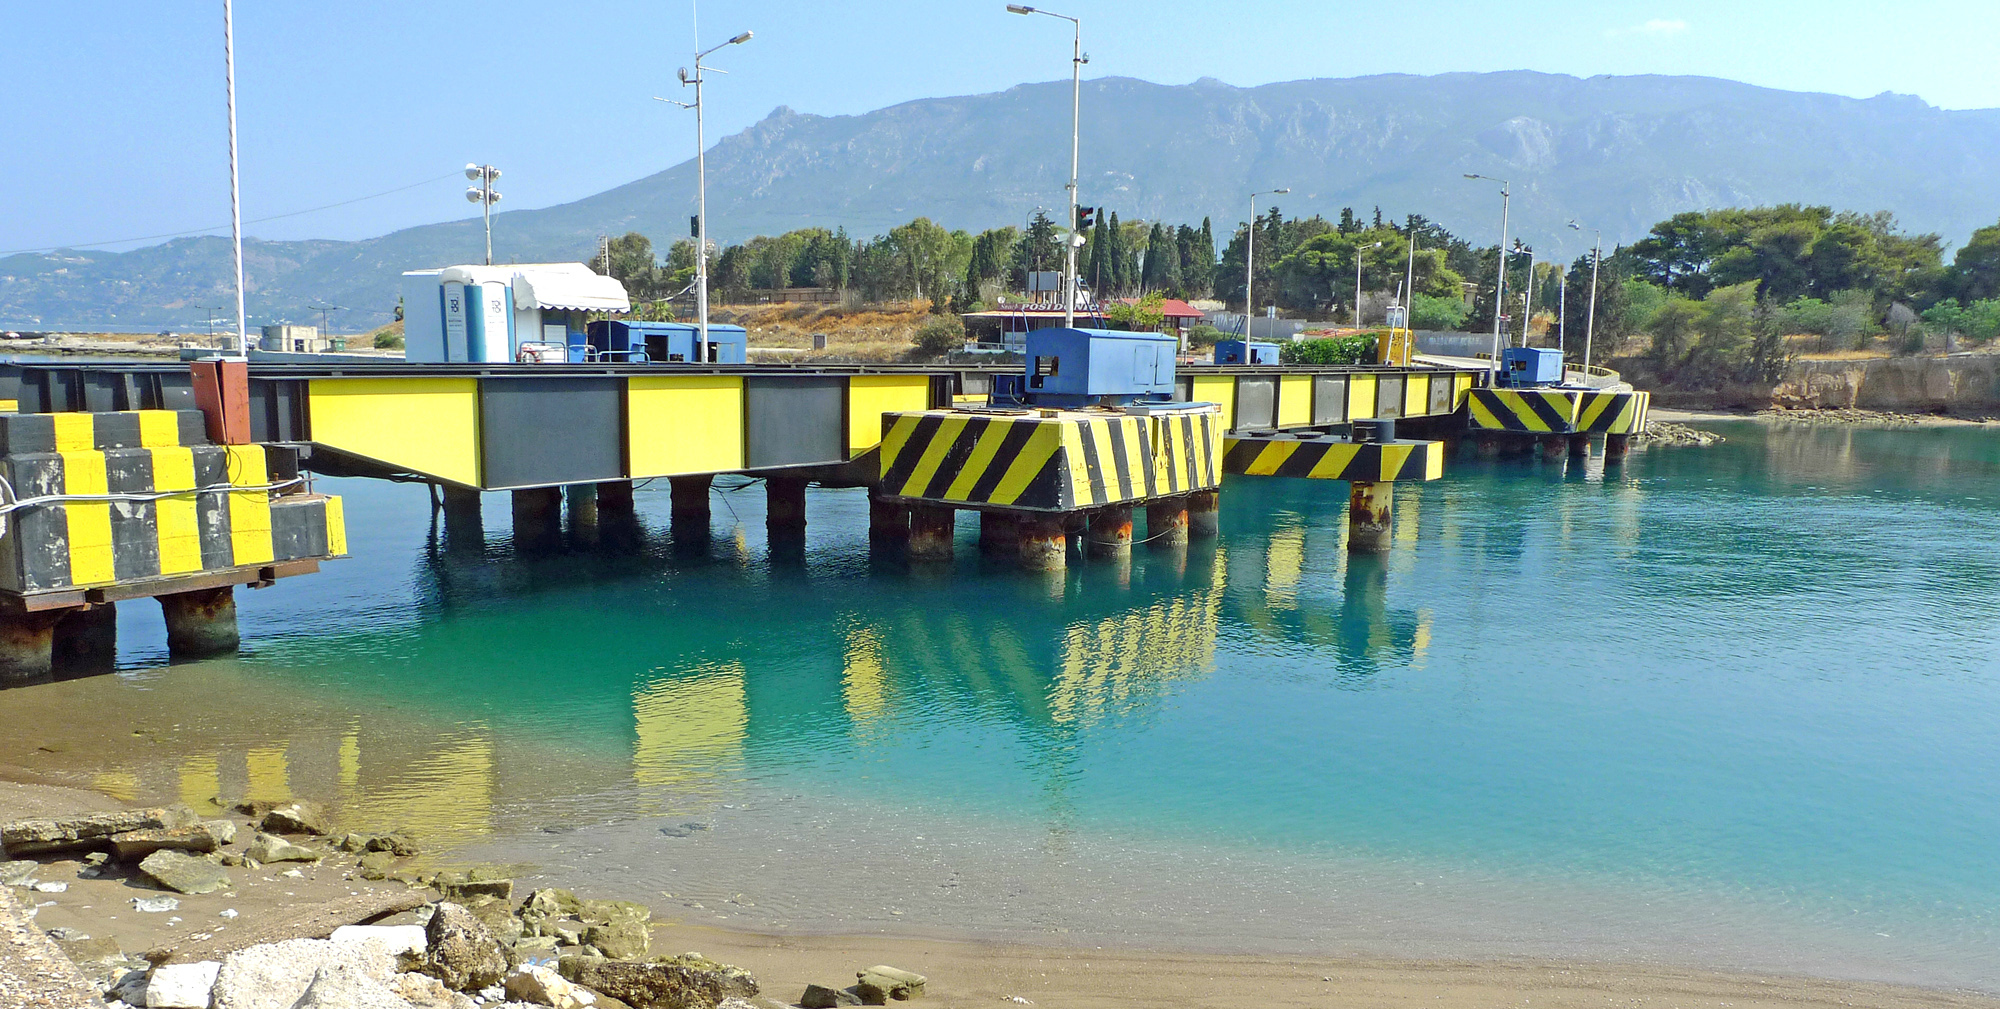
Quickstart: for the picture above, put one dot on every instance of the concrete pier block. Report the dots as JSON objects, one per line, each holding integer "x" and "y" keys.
{"x": 1204, "y": 514}
{"x": 887, "y": 520}
{"x": 785, "y": 506}
{"x": 1615, "y": 447}
{"x": 86, "y": 641}
{"x": 201, "y": 623}
{"x": 1041, "y": 544}
{"x": 1370, "y": 510}
{"x": 464, "y": 529}
{"x": 931, "y": 531}
{"x": 538, "y": 520}
{"x": 614, "y": 499}
{"x": 1167, "y": 523}
{"x": 1110, "y": 532}
{"x": 25, "y": 641}
{"x": 690, "y": 502}
{"x": 999, "y": 534}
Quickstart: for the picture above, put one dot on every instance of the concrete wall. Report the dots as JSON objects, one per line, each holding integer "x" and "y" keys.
{"x": 1969, "y": 384}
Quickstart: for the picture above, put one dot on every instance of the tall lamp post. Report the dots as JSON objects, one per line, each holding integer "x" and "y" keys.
{"x": 1590, "y": 320}
{"x": 1250, "y": 258}
{"x": 235, "y": 191}
{"x": 325, "y": 310}
{"x": 701, "y": 187}
{"x": 1076, "y": 61}
{"x": 484, "y": 195}
{"x": 1528, "y": 299}
{"x": 1500, "y": 285}
{"x": 1357, "y": 282}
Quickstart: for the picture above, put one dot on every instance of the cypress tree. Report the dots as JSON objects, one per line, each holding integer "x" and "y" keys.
{"x": 1115, "y": 258}
{"x": 1166, "y": 247}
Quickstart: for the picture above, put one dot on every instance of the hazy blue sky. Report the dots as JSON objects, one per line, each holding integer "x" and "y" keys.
{"x": 113, "y": 119}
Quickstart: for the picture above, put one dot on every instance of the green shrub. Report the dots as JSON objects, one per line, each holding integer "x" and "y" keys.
{"x": 1205, "y": 335}
{"x": 1354, "y": 349}
{"x": 388, "y": 339}
{"x": 1427, "y": 312}
{"x": 940, "y": 334}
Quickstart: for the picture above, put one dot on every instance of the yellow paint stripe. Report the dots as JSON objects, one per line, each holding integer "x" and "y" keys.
{"x": 336, "y": 527}
{"x": 176, "y": 522}
{"x": 89, "y": 531}
{"x": 1461, "y": 388}
{"x": 1434, "y": 461}
{"x": 898, "y": 437}
{"x": 920, "y": 478}
{"x": 1107, "y": 461}
{"x": 1333, "y": 465}
{"x": 1079, "y": 471}
{"x": 1393, "y": 458}
{"x": 1273, "y": 456}
{"x": 980, "y": 460}
{"x": 159, "y": 428}
{"x": 249, "y": 510}
{"x": 75, "y": 432}
{"x": 1482, "y": 416}
{"x": 1034, "y": 455}
{"x": 1590, "y": 406}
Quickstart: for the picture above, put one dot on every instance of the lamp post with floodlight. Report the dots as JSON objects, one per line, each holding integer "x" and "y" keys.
{"x": 484, "y": 195}
{"x": 1500, "y": 284}
{"x": 1076, "y": 61}
{"x": 701, "y": 188}
{"x": 1590, "y": 320}
{"x": 1250, "y": 257}
{"x": 1357, "y": 282}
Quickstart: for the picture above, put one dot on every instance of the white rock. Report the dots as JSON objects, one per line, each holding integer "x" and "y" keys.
{"x": 51, "y": 887}
{"x": 399, "y": 938}
{"x": 426, "y": 992}
{"x": 157, "y": 904}
{"x": 275, "y": 975}
{"x": 543, "y": 986}
{"x": 348, "y": 986}
{"x": 181, "y": 985}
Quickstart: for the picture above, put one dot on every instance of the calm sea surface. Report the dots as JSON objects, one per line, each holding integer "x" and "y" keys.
{"x": 1736, "y": 706}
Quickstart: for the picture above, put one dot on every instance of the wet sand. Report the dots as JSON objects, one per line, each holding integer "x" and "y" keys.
{"x": 980, "y": 973}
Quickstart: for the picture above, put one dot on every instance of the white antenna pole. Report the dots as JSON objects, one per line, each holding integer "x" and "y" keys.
{"x": 235, "y": 193}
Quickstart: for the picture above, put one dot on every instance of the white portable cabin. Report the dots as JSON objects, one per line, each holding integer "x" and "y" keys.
{"x": 485, "y": 313}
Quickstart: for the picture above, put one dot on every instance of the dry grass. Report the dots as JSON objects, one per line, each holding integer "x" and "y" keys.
{"x": 871, "y": 333}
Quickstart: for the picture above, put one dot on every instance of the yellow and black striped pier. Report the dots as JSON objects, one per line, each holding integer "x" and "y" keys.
{"x": 1560, "y": 420}
{"x": 101, "y": 507}
{"x": 1371, "y": 460}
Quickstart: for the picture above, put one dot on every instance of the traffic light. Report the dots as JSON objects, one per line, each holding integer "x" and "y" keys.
{"x": 1085, "y": 217}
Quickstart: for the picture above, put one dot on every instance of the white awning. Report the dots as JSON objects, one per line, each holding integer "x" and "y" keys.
{"x": 549, "y": 285}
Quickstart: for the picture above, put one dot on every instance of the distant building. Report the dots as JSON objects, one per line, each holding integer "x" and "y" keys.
{"x": 1007, "y": 327}
{"x": 293, "y": 339}
{"x": 1179, "y": 314}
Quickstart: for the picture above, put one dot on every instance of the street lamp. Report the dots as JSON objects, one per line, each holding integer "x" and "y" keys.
{"x": 235, "y": 191}
{"x": 1590, "y": 320}
{"x": 484, "y": 195}
{"x": 1527, "y": 300}
{"x": 1500, "y": 285}
{"x": 1357, "y": 283}
{"x": 701, "y": 187}
{"x": 324, "y": 310}
{"x": 1250, "y": 257}
{"x": 1077, "y": 60}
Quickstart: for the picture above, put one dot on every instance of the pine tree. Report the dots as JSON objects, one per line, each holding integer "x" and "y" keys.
{"x": 1348, "y": 225}
{"x": 1116, "y": 261}
{"x": 1198, "y": 266}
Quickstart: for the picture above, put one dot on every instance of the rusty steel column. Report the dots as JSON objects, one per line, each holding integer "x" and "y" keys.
{"x": 201, "y": 623}
{"x": 1167, "y": 523}
{"x": 1615, "y": 447}
{"x": 1041, "y": 542}
{"x": 464, "y": 531}
{"x": 1204, "y": 514}
{"x": 538, "y": 520}
{"x": 1554, "y": 446}
{"x": 86, "y": 641}
{"x": 785, "y": 516}
{"x": 580, "y": 501}
{"x": 999, "y": 533}
{"x": 1579, "y": 446}
{"x": 1109, "y": 533}
{"x": 25, "y": 640}
{"x": 1488, "y": 446}
{"x": 1370, "y": 509}
{"x": 931, "y": 531}
{"x": 690, "y": 497}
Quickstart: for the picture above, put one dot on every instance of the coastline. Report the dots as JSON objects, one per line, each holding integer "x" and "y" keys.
{"x": 975, "y": 973}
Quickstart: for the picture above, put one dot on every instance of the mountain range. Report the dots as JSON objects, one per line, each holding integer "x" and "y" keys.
{"x": 1616, "y": 153}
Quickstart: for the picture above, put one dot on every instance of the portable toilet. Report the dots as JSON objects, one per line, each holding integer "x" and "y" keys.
{"x": 1079, "y": 367}
{"x": 487, "y": 313}
{"x": 1245, "y": 352}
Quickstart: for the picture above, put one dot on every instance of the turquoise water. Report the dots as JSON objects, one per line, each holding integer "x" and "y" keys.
{"x": 1733, "y": 706}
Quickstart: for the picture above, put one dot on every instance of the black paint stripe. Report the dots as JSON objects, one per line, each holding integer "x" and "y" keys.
{"x": 1121, "y": 464}
{"x": 913, "y": 451}
{"x": 1092, "y": 471}
{"x": 952, "y": 466}
{"x": 1497, "y": 406}
{"x": 1011, "y": 444}
{"x": 1302, "y": 460}
{"x": 1193, "y": 459}
{"x": 1546, "y": 410}
{"x": 1172, "y": 465}
{"x": 1241, "y": 454}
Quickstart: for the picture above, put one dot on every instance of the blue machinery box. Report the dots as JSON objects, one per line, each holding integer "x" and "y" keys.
{"x": 1530, "y": 366}
{"x": 664, "y": 342}
{"x": 1078, "y": 367}
{"x": 1245, "y": 352}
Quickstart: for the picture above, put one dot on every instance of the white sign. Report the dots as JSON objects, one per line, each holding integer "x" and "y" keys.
{"x": 454, "y": 321}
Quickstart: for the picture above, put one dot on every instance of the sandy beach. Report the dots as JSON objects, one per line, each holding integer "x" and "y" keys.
{"x": 962, "y": 973}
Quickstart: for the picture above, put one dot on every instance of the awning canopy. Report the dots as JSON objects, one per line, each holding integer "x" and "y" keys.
{"x": 549, "y": 285}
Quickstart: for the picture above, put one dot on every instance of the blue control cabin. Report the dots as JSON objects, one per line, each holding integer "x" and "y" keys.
{"x": 1245, "y": 352}
{"x": 1086, "y": 367}
{"x": 1527, "y": 367}
{"x": 664, "y": 343}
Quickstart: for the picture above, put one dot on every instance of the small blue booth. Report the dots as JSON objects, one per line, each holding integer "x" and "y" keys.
{"x": 1081, "y": 367}
{"x": 663, "y": 343}
{"x": 1526, "y": 367}
{"x": 1245, "y": 352}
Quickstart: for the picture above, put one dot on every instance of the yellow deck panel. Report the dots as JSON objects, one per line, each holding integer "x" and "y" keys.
{"x": 424, "y": 425}
{"x": 1217, "y": 389}
{"x": 1360, "y": 397}
{"x": 1416, "y": 395}
{"x": 1295, "y": 401}
{"x": 871, "y": 396}
{"x": 685, "y": 424}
